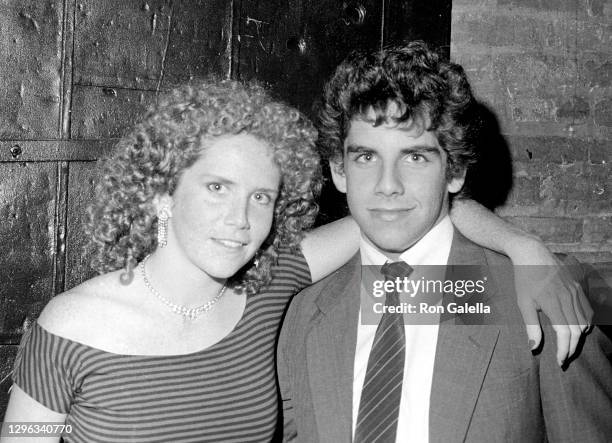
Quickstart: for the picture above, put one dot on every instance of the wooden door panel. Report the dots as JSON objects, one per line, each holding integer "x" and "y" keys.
{"x": 31, "y": 54}
{"x": 199, "y": 44}
{"x": 106, "y": 112}
{"x": 418, "y": 20}
{"x": 81, "y": 191}
{"x": 294, "y": 46}
{"x": 27, "y": 234}
{"x": 120, "y": 43}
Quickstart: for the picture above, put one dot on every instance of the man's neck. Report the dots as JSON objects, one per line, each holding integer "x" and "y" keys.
{"x": 431, "y": 249}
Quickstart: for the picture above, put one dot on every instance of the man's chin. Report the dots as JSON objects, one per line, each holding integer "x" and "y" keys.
{"x": 391, "y": 244}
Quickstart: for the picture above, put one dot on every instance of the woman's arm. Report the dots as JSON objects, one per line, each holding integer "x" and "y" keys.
{"x": 560, "y": 297}
{"x": 24, "y": 409}
{"x": 328, "y": 247}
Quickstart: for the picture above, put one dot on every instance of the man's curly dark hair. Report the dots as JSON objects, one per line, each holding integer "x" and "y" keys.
{"x": 426, "y": 89}
{"x": 148, "y": 162}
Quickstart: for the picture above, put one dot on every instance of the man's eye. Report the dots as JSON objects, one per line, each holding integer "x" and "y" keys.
{"x": 366, "y": 157}
{"x": 262, "y": 198}
{"x": 215, "y": 187}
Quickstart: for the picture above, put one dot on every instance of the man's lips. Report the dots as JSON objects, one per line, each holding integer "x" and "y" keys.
{"x": 389, "y": 214}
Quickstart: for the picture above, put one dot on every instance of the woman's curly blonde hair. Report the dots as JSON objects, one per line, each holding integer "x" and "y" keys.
{"x": 148, "y": 162}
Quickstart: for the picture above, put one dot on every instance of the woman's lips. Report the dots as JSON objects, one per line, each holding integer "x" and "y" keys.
{"x": 229, "y": 243}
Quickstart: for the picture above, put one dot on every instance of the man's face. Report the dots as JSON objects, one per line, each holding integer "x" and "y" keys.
{"x": 395, "y": 180}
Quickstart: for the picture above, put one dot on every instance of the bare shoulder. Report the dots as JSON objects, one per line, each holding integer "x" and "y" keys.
{"x": 87, "y": 311}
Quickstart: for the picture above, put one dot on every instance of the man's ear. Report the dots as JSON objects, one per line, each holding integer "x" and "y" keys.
{"x": 456, "y": 183}
{"x": 336, "y": 167}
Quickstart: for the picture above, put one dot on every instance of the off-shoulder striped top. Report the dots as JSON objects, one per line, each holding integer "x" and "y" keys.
{"x": 226, "y": 392}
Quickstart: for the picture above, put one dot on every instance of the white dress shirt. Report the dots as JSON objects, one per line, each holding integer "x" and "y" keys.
{"x": 421, "y": 340}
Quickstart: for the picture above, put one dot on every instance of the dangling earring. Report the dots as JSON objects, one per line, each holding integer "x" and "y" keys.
{"x": 162, "y": 227}
{"x": 127, "y": 275}
{"x": 257, "y": 258}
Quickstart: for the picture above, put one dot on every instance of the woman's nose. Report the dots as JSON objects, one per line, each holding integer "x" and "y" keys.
{"x": 238, "y": 213}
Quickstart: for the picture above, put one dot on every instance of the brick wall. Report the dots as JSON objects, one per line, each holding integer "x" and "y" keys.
{"x": 544, "y": 67}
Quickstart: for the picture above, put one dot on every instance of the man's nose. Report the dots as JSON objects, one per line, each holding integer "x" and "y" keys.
{"x": 238, "y": 213}
{"x": 389, "y": 181}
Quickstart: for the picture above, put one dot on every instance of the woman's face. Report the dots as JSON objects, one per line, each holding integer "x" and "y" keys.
{"x": 223, "y": 206}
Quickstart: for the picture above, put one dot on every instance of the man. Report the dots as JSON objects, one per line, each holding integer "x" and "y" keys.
{"x": 397, "y": 128}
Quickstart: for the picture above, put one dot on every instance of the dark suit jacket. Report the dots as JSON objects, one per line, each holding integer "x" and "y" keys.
{"x": 487, "y": 386}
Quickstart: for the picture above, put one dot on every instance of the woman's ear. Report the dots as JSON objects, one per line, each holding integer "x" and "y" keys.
{"x": 336, "y": 167}
{"x": 163, "y": 204}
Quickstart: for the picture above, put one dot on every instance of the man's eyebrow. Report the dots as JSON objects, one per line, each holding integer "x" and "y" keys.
{"x": 406, "y": 150}
{"x": 358, "y": 148}
{"x": 268, "y": 190}
{"x": 421, "y": 148}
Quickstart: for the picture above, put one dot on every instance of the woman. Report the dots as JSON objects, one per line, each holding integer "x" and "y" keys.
{"x": 175, "y": 340}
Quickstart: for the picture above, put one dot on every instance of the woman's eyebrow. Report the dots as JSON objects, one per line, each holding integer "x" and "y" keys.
{"x": 226, "y": 181}
{"x": 218, "y": 178}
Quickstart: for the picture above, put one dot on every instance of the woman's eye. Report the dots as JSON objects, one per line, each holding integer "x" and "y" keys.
{"x": 261, "y": 198}
{"x": 417, "y": 158}
{"x": 215, "y": 187}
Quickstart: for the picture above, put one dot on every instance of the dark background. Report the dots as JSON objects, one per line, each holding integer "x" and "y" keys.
{"x": 76, "y": 74}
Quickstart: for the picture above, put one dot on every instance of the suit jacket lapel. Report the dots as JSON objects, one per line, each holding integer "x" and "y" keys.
{"x": 330, "y": 350}
{"x": 462, "y": 357}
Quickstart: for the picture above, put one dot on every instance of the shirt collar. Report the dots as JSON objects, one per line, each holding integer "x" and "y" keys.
{"x": 432, "y": 249}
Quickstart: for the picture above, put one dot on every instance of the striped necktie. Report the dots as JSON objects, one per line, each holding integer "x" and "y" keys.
{"x": 382, "y": 388}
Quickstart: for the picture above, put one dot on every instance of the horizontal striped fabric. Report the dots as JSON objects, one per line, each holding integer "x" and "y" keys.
{"x": 225, "y": 393}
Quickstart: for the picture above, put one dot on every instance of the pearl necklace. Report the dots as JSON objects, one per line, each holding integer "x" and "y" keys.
{"x": 188, "y": 313}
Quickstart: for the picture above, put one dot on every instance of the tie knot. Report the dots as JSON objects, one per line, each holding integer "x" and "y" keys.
{"x": 392, "y": 270}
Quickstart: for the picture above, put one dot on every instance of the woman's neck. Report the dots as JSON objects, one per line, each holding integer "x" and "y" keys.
{"x": 179, "y": 280}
